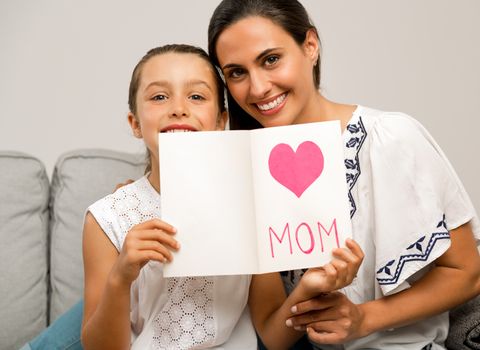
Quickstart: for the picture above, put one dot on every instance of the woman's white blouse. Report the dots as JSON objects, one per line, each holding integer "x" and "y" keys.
{"x": 405, "y": 198}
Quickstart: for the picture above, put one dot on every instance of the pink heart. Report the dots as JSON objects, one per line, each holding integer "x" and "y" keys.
{"x": 296, "y": 170}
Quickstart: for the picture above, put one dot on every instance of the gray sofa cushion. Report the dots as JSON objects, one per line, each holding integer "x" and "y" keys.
{"x": 80, "y": 178}
{"x": 24, "y": 191}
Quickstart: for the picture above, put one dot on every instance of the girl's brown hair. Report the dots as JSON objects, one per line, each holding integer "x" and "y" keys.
{"x": 175, "y": 48}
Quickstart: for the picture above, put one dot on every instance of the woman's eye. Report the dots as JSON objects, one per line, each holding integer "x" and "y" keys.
{"x": 236, "y": 73}
{"x": 271, "y": 60}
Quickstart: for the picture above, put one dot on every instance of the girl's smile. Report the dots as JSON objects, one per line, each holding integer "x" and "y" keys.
{"x": 178, "y": 128}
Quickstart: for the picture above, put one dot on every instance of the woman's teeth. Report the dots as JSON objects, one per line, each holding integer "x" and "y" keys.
{"x": 273, "y": 104}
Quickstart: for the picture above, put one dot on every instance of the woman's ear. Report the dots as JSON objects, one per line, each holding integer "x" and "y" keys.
{"x": 311, "y": 45}
{"x": 222, "y": 121}
{"x": 135, "y": 125}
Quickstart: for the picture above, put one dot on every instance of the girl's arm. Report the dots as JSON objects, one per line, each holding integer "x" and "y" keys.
{"x": 270, "y": 307}
{"x": 454, "y": 279}
{"x": 109, "y": 275}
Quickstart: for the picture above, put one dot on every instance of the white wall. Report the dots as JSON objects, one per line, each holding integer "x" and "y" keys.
{"x": 65, "y": 67}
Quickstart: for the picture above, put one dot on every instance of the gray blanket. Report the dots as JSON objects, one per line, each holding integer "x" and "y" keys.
{"x": 464, "y": 333}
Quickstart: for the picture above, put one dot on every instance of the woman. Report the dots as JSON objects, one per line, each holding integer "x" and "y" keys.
{"x": 410, "y": 213}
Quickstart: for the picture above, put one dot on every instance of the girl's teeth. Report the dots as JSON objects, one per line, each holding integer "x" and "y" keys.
{"x": 273, "y": 104}
{"x": 179, "y": 130}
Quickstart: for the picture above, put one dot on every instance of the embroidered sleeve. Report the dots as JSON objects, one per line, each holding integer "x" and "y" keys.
{"x": 417, "y": 200}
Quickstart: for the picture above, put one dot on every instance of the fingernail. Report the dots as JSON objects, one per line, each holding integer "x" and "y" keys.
{"x": 293, "y": 309}
{"x": 289, "y": 323}
{"x": 298, "y": 328}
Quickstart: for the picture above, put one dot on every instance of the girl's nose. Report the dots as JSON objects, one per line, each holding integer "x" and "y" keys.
{"x": 179, "y": 110}
{"x": 260, "y": 85}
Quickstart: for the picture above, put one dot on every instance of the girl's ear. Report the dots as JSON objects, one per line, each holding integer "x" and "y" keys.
{"x": 135, "y": 125}
{"x": 222, "y": 121}
{"x": 311, "y": 45}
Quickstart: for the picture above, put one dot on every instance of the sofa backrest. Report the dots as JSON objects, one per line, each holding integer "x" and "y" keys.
{"x": 24, "y": 193}
{"x": 41, "y": 270}
{"x": 79, "y": 179}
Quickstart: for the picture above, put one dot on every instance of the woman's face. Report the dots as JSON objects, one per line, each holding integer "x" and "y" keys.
{"x": 267, "y": 72}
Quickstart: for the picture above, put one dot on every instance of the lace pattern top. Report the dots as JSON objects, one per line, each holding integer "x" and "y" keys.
{"x": 175, "y": 313}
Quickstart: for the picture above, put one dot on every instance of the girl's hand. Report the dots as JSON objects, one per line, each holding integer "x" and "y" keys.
{"x": 150, "y": 240}
{"x": 328, "y": 319}
{"x": 337, "y": 274}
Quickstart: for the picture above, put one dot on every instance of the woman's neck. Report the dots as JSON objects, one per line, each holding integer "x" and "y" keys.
{"x": 321, "y": 109}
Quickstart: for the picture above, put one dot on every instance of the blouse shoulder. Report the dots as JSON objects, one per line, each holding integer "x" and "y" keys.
{"x": 392, "y": 127}
{"x": 118, "y": 212}
{"x": 417, "y": 197}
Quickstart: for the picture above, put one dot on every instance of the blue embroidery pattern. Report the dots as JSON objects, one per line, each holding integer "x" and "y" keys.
{"x": 420, "y": 251}
{"x": 358, "y": 134}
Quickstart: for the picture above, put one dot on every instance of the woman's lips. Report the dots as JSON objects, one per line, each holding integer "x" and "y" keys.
{"x": 273, "y": 106}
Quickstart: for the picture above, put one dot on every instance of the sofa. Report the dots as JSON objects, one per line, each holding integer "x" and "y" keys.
{"x": 41, "y": 220}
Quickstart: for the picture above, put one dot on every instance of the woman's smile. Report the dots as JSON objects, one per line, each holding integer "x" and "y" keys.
{"x": 272, "y": 106}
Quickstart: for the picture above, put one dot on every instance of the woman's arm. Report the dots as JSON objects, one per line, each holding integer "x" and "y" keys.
{"x": 454, "y": 279}
{"x": 270, "y": 307}
{"x": 109, "y": 275}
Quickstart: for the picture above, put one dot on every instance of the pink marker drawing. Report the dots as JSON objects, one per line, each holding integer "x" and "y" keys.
{"x": 296, "y": 170}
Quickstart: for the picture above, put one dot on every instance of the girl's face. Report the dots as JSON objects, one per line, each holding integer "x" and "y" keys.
{"x": 177, "y": 93}
{"x": 267, "y": 72}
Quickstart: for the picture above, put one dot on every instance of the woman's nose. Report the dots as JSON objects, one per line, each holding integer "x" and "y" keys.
{"x": 260, "y": 85}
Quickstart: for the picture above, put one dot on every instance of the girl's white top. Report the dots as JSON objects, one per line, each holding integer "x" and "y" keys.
{"x": 404, "y": 199}
{"x": 175, "y": 313}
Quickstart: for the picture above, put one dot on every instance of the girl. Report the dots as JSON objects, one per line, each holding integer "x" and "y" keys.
{"x": 410, "y": 213}
{"x": 175, "y": 88}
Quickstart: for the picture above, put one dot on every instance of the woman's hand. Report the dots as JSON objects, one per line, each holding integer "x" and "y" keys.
{"x": 337, "y": 274}
{"x": 150, "y": 240}
{"x": 328, "y": 319}
{"x": 120, "y": 185}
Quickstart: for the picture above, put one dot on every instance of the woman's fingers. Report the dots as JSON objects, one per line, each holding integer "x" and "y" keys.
{"x": 120, "y": 185}
{"x": 320, "y": 302}
{"x": 332, "y": 319}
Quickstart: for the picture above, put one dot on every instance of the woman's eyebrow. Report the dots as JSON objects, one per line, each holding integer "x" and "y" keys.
{"x": 265, "y": 53}
{"x": 259, "y": 57}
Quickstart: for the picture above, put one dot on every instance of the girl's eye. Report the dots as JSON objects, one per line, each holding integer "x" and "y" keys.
{"x": 196, "y": 97}
{"x": 271, "y": 60}
{"x": 159, "y": 97}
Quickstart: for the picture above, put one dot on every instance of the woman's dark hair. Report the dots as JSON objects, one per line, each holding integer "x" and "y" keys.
{"x": 175, "y": 48}
{"x": 289, "y": 14}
